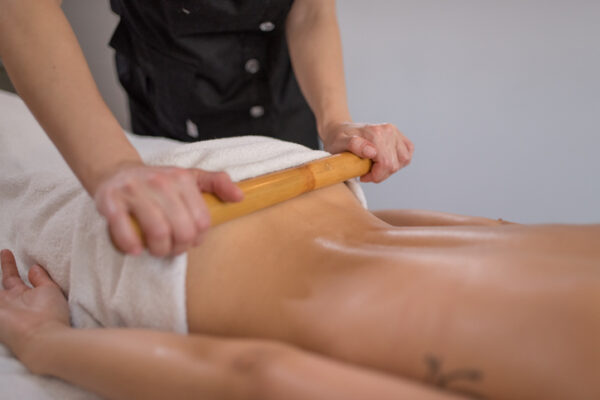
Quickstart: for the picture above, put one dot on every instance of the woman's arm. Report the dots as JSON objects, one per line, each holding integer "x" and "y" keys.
{"x": 126, "y": 364}
{"x": 316, "y": 52}
{"x": 46, "y": 65}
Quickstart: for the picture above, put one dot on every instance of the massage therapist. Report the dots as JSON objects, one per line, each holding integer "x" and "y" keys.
{"x": 193, "y": 70}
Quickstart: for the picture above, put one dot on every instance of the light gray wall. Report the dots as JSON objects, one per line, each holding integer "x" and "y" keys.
{"x": 93, "y": 23}
{"x": 501, "y": 98}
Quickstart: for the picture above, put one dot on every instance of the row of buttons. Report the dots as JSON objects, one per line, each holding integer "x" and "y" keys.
{"x": 252, "y": 66}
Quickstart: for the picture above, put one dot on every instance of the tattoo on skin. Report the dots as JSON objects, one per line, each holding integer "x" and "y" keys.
{"x": 444, "y": 379}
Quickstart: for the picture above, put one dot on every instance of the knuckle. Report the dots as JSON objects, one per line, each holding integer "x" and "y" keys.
{"x": 158, "y": 232}
{"x": 114, "y": 219}
{"x": 202, "y": 219}
{"x": 387, "y": 164}
{"x": 186, "y": 234}
{"x": 203, "y": 224}
{"x": 355, "y": 143}
{"x": 355, "y": 140}
{"x": 222, "y": 176}
{"x": 376, "y": 130}
{"x": 126, "y": 245}
{"x": 178, "y": 172}
{"x": 108, "y": 193}
{"x": 182, "y": 175}
{"x": 129, "y": 187}
{"x": 158, "y": 181}
{"x": 101, "y": 201}
{"x": 382, "y": 177}
{"x": 159, "y": 251}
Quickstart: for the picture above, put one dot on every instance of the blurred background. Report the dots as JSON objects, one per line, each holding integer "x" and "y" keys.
{"x": 501, "y": 98}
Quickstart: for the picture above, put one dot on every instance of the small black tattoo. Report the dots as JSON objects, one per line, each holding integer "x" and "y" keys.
{"x": 444, "y": 379}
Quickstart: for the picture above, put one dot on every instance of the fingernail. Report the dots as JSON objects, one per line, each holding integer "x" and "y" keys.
{"x": 369, "y": 151}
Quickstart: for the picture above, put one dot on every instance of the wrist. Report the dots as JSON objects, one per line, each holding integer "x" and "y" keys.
{"x": 36, "y": 344}
{"x": 329, "y": 113}
{"x": 103, "y": 158}
{"x": 326, "y": 127}
{"x": 102, "y": 174}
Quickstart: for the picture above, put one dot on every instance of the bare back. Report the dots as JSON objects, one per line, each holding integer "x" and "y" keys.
{"x": 321, "y": 272}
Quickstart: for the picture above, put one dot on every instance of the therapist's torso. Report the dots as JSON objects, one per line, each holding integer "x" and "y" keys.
{"x": 205, "y": 69}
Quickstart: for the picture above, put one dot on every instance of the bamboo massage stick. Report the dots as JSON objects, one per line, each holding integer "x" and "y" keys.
{"x": 276, "y": 187}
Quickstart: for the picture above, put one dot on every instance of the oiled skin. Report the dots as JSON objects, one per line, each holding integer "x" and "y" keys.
{"x": 517, "y": 307}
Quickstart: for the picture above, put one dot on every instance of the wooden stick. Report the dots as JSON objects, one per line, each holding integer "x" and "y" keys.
{"x": 267, "y": 190}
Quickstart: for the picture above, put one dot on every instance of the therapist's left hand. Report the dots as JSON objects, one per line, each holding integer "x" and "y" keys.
{"x": 389, "y": 149}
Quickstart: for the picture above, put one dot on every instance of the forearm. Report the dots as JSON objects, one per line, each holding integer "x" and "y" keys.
{"x": 128, "y": 364}
{"x": 46, "y": 65}
{"x": 316, "y": 52}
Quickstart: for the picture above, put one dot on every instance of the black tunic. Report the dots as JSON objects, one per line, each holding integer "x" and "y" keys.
{"x": 205, "y": 69}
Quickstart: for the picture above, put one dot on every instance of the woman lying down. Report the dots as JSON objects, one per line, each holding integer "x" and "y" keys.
{"x": 314, "y": 298}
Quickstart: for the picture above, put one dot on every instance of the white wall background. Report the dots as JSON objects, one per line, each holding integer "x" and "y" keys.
{"x": 501, "y": 98}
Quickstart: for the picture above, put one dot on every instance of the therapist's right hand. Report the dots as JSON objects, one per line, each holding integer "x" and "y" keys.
{"x": 165, "y": 201}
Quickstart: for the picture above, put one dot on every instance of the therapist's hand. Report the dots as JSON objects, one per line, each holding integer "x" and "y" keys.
{"x": 165, "y": 201}
{"x": 389, "y": 149}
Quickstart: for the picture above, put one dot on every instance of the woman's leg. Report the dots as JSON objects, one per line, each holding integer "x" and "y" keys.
{"x": 506, "y": 312}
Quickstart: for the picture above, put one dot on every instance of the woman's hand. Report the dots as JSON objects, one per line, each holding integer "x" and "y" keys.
{"x": 383, "y": 143}
{"x": 25, "y": 311}
{"x": 165, "y": 201}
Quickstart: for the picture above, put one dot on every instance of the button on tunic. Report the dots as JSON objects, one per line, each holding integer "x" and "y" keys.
{"x": 252, "y": 66}
{"x": 204, "y": 69}
{"x": 267, "y": 26}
